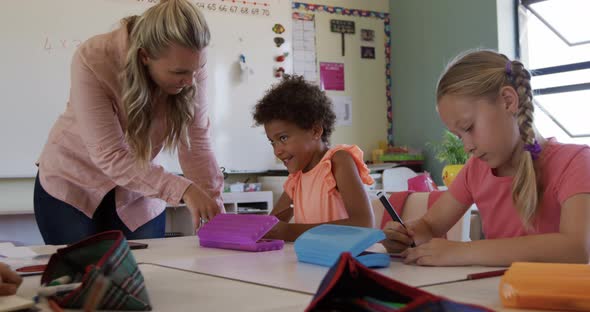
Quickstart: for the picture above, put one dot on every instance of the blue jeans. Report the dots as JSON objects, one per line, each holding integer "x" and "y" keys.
{"x": 61, "y": 223}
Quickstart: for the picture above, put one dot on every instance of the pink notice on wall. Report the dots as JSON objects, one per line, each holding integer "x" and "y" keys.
{"x": 332, "y": 76}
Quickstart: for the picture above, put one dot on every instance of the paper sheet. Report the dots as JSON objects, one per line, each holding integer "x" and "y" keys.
{"x": 304, "y": 55}
{"x": 6, "y": 245}
{"x": 16, "y": 252}
{"x": 342, "y": 109}
{"x": 14, "y": 303}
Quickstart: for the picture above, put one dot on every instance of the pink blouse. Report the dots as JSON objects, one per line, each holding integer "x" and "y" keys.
{"x": 86, "y": 154}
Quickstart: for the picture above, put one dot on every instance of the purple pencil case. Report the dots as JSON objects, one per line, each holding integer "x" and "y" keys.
{"x": 239, "y": 232}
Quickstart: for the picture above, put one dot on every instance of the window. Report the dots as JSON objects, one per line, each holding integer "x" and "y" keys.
{"x": 555, "y": 45}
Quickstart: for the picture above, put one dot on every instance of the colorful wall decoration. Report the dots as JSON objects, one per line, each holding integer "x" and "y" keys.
{"x": 386, "y": 28}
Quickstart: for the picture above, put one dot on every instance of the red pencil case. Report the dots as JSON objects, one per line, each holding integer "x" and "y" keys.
{"x": 351, "y": 286}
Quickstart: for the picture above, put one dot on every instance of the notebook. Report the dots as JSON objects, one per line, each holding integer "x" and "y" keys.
{"x": 323, "y": 245}
{"x": 15, "y": 303}
{"x": 239, "y": 232}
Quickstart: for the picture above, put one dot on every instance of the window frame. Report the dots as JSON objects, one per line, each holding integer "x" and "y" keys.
{"x": 565, "y": 68}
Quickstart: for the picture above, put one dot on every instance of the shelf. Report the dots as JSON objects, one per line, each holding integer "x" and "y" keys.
{"x": 248, "y": 202}
{"x": 178, "y": 218}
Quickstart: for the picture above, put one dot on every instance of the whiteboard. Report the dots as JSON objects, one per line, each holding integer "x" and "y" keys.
{"x": 39, "y": 37}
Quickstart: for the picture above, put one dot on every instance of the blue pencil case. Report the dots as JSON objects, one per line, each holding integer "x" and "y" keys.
{"x": 323, "y": 245}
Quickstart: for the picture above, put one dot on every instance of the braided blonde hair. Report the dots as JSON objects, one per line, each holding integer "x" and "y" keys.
{"x": 169, "y": 22}
{"x": 482, "y": 73}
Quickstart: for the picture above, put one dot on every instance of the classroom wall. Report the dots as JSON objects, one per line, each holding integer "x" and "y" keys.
{"x": 364, "y": 79}
{"x": 423, "y": 40}
{"x": 16, "y": 195}
{"x": 16, "y": 212}
{"x": 426, "y": 34}
{"x": 372, "y": 5}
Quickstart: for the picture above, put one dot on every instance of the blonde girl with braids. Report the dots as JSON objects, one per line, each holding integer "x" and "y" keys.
{"x": 533, "y": 193}
{"x": 134, "y": 91}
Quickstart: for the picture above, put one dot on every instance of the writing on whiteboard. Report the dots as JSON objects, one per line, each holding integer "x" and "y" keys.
{"x": 51, "y": 45}
{"x": 253, "y": 8}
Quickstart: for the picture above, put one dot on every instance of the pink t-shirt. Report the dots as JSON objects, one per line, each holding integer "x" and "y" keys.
{"x": 565, "y": 173}
{"x": 86, "y": 154}
{"x": 315, "y": 196}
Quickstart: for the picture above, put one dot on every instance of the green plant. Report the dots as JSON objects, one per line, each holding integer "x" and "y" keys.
{"x": 450, "y": 150}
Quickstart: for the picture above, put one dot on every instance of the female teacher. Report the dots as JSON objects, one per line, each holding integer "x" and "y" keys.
{"x": 133, "y": 91}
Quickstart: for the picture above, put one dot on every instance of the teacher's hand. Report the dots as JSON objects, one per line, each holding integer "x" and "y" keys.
{"x": 201, "y": 205}
{"x": 9, "y": 280}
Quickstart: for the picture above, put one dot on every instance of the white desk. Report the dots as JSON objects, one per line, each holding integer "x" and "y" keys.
{"x": 185, "y": 247}
{"x": 175, "y": 290}
{"x": 281, "y": 268}
{"x": 163, "y": 248}
{"x": 231, "y": 280}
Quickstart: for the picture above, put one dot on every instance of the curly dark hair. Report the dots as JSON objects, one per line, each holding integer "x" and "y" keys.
{"x": 298, "y": 101}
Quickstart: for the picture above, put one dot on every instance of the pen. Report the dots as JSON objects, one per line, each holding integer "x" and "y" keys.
{"x": 60, "y": 281}
{"x": 391, "y": 211}
{"x": 52, "y": 290}
{"x": 481, "y": 275}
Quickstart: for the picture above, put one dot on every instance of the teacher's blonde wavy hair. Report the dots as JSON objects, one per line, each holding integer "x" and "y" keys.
{"x": 172, "y": 21}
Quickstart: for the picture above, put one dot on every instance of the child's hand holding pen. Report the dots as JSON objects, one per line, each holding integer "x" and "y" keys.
{"x": 399, "y": 237}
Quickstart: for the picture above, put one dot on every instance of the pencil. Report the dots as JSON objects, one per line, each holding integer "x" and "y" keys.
{"x": 481, "y": 275}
